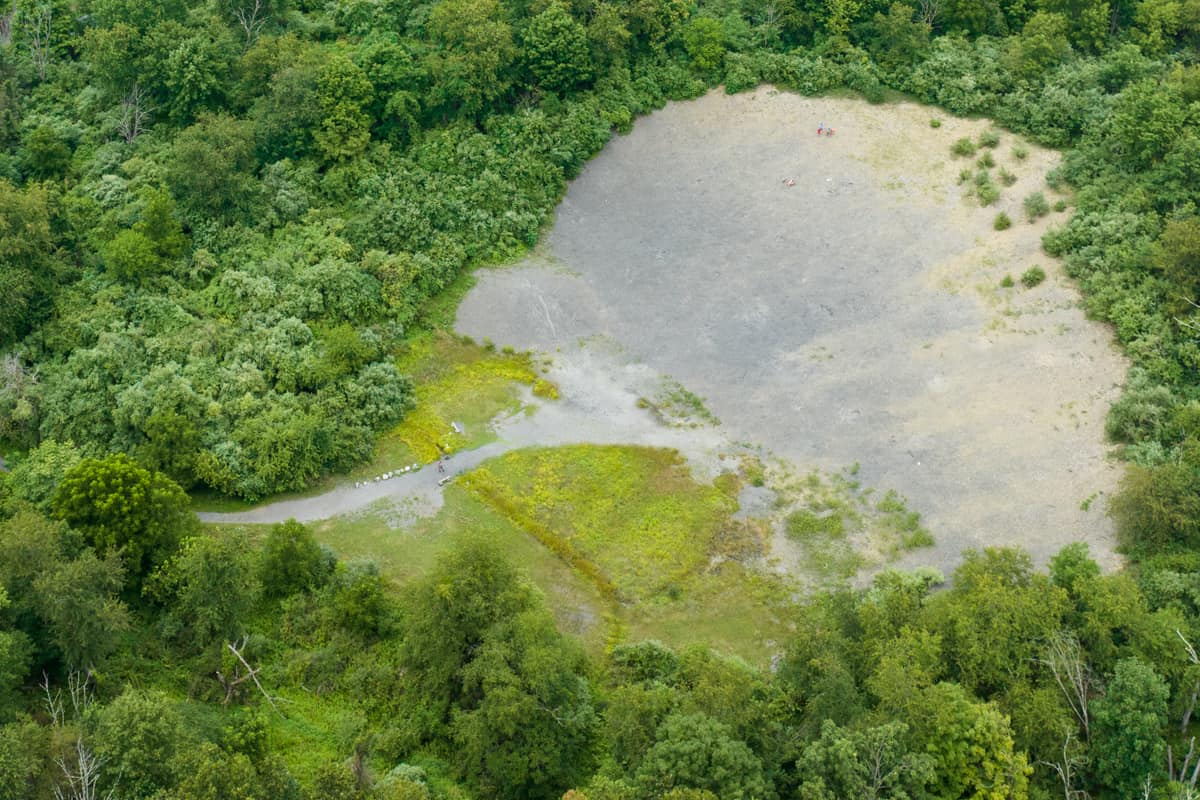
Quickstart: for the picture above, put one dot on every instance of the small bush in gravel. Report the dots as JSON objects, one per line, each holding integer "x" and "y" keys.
{"x": 987, "y": 194}
{"x": 1006, "y": 177}
{"x": 964, "y": 176}
{"x": 1036, "y": 206}
{"x": 1007, "y": 282}
{"x": 986, "y": 161}
{"x": 989, "y": 138}
{"x": 935, "y": 123}
{"x": 963, "y": 147}
{"x": 1020, "y": 152}
{"x": 1002, "y": 222}
{"x": 1060, "y": 206}
{"x": 1033, "y": 276}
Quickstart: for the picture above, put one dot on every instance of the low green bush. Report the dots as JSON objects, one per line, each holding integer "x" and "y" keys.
{"x": 1006, "y": 177}
{"x": 1020, "y": 152}
{"x": 989, "y": 138}
{"x": 1033, "y": 276}
{"x": 1007, "y": 282}
{"x": 1002, "y": 222}
{"x": 1036, "y": 206}
{"x": 1060, "y": 206}
{"x": 963, "y": 147}
{"x": 935, "y": 123}
{"x": 986, "y": 161}
{"x": 987, "y": 193}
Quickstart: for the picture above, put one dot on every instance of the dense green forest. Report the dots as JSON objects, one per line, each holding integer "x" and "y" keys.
{"x": 219, "y": 221}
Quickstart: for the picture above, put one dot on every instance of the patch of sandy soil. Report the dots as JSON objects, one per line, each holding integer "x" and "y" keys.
{"x": 853, "y": 317}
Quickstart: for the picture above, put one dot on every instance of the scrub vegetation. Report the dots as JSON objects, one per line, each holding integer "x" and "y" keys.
{"x": 226, "y": 230}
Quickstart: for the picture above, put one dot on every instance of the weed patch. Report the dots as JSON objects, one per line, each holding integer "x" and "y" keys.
{"x": 963, "y": 147}
{"x": 1033, "y": 276}
{"x": 458, "y": 381}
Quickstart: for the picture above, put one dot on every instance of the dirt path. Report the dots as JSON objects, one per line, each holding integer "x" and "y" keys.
{"x": 852, "y": 317}
{"x": 599, "y": 391}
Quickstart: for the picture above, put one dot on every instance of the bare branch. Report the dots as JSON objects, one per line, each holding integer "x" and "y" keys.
{"x": 135, "y": 114}
{"x": 1195, "y": 662}
{"x": 250, "y": 20}
{"x": 1071, "y": 672}
{"x": 54, "y": 703}
{"x": 930, "y": 10}
{"x": 1068, "y": 769}
{"x": 237, "y": 678}
{"x": 6, "y": 25}
{"x": 39, "y": 40}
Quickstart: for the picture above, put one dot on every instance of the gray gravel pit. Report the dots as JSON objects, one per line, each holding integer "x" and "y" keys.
{"x": 837, "y": 301}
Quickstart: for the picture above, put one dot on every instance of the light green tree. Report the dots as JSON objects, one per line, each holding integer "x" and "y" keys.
{"x": 343, "y": 92}
{"x": 704, "y": 40}
{"x": 869, "y": 763}
{"x": 1041, "y": 44}
{"x": 140, "y": 736}
{"x": 123, "y": 508}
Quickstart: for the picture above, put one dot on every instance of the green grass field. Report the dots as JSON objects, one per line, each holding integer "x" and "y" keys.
{"x": 623, "y": 541}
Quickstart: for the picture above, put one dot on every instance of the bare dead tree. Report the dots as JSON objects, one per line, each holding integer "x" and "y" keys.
{"x": 769, "y": 20}
{"x": 54, "y": 703}
{"x": 135, "y": 114}
{"x": 81, "y": 768}
{"x": 6, "y": 25}
{"x": 1183, "y": 776}
{"x": 39, "y": 40}
{"x": 1071, "y": 672}
{"x": 20, "y": 398}
{"x": 251, "y": 19}
{"x": 1068, "y": 769}
{"x": 360, "y": 762}
{"x": 1188, "y": 324}
{"x": 930, "y": 10}
{"x": 237, "y": 677}
{"x": 81, "y": 774}
{"x": 1194, "y": 660}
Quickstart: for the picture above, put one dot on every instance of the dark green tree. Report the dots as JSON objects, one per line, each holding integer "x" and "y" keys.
{"x": 1127, "y": 744}
{"x": 45, "y": 154}
{"x": 291, "y": 560}
{"x": 212, "y": 171}
{"x": 210, "y": 586}
{"x": 695, "y": 751}
{"x": 556, "y": 49}
{"x": 78, "y": 604}
{"x": 527, "y": 723}
{"x": 25, "y": 264}
{"x": 472, "y": 65}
